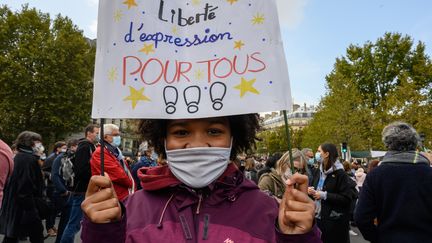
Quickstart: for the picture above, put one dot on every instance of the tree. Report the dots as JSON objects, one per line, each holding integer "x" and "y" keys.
{"x": 371, "y": 86}
{"x": 46, "y": 70}
{"x": 275, "y": 140}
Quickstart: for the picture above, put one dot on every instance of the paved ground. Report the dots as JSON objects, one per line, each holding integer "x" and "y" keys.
{"x": 358, "y": 238}
{"x": 354, "y": 239}
{"x": 49, "y": 239}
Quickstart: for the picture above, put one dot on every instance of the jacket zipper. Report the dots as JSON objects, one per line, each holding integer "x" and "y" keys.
{"x": 199, "y": 204}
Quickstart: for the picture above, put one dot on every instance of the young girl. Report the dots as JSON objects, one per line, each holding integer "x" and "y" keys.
{"x": 200, "y": 195}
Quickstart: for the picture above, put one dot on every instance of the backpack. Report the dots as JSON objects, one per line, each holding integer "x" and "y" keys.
{"x": 66, "y": 169}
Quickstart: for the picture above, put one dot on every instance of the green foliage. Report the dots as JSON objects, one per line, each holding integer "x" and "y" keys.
{"x": 373, "y": 85}
{"x": 46, "y": 70}
{"x": 275, "y": 140}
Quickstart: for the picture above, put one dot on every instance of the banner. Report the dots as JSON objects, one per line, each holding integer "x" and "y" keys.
{"x": 188, "y": 59}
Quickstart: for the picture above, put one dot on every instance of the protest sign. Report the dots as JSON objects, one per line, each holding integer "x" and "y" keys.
{"x": 188, "y": 59}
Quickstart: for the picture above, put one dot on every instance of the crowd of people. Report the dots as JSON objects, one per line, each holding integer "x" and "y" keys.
{"x": 194, "y": 182}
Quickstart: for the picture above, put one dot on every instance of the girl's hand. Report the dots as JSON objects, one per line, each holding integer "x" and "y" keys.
{"x": 101, "y": 204}
{"x": 297, "y": 210}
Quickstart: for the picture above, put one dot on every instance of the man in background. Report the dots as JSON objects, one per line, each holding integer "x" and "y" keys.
{"x": 82, "y": 172}
{"x": 397, "y": 192}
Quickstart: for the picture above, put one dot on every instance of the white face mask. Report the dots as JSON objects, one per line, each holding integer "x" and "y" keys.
{"x": 38, "y": 148}
{"x": 287, "y": 175}
{"x": 198, "y": 167}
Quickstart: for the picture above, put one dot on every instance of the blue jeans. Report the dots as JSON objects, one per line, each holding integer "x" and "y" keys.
{"x": 74, "y": 224}
{"x": 64, "y": 206}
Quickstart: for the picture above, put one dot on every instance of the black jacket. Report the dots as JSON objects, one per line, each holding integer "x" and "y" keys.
{"x": 335, "y": 210}
{"x": 81, "y": 167}
{"x": 399, "y": 194}
{"x": 23, "y": 191}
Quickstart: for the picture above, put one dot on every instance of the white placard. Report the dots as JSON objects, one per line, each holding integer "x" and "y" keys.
{"x": 188, "y": 59}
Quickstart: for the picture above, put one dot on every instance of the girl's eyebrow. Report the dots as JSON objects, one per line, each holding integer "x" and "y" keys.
{"x": 178, "y": 123}
{"x": 217, "y": 120}
{"x": 185, "y": 122}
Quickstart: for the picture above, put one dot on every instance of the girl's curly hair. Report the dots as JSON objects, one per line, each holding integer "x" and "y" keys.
{"x": 243, "y": 130}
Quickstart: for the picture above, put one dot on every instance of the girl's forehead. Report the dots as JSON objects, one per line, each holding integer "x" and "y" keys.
{"x": 187, "y": 122}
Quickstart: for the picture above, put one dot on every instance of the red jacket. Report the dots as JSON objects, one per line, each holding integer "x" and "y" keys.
{"x": 122, "y": 181}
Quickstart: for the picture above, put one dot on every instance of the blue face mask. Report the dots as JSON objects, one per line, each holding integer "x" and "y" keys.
{"x": 318, "y": 156}
{"x": 311, "y": 161}
{"x": 116, "y": 141}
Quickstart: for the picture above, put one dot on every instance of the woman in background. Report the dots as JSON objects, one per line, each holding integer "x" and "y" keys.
{"x": 274, "y": 182}
{"x": 23, "y": 206}
{"x": 333, "y": 191}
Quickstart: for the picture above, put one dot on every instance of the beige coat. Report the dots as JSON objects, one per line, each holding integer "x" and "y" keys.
{"x": 272, "y": 182}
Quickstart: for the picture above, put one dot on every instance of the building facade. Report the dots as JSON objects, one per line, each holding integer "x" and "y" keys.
{"x": 297, "y": 119}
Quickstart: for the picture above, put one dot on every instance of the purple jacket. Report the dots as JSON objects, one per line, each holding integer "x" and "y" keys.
{"x": 230, "y": 210}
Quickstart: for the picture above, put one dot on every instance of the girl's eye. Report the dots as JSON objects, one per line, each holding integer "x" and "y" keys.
{"x": 214, "y": 131}
{"x": 180, "y": 133}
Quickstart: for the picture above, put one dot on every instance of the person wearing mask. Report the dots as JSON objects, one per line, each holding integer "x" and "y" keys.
{"x": 59, "y": 147}
{"x": 6, "y": 166}
{"x": 201, "y": 195}
{"x": 273, "y": 183}
{"x": 62, "y": 188}
{"x": 250, "y": 171}
{"x": 333, "y": 191}
{"x": 360, "y": 176}
{"x": 115, "y": 165}
{"x": 397, "y": 192}
{"x": 23, "y": 204}
{"x": 311, "y": 167}
{"x": 82, "y": 172}
{"x": 269, "y": 164}
{"x": 145, "y": 161}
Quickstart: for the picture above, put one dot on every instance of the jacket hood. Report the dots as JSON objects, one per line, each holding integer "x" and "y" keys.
{"x": 159, "y": 177}
{"x": 337, "y": 166}
{"x": 155, "y": 178}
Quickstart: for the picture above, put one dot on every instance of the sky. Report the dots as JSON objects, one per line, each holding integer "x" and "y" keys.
{"x": 314, "y": 32}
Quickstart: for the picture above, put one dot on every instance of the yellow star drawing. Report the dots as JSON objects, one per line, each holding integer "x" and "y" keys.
{"x": 147, "y": 49}
{"x": 258, "y": 19}
{"x": 196, "y": 2}
{"x": 130, "y": 3}
{"x": 118, "y": 15}
{"x": 112, "y": 74}
{"x": 238, "y": 44}
{"x": 231, "y": 1}
{"x": 246, "y": 86}
{"x": 174, "y": 30}
{"x": 135, "y": 96}
{"x": 199, "y": 74}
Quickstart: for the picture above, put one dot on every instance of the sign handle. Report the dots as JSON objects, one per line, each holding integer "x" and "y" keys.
{"x": 289, "y": 141}
{"x": 102, "y": 144}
